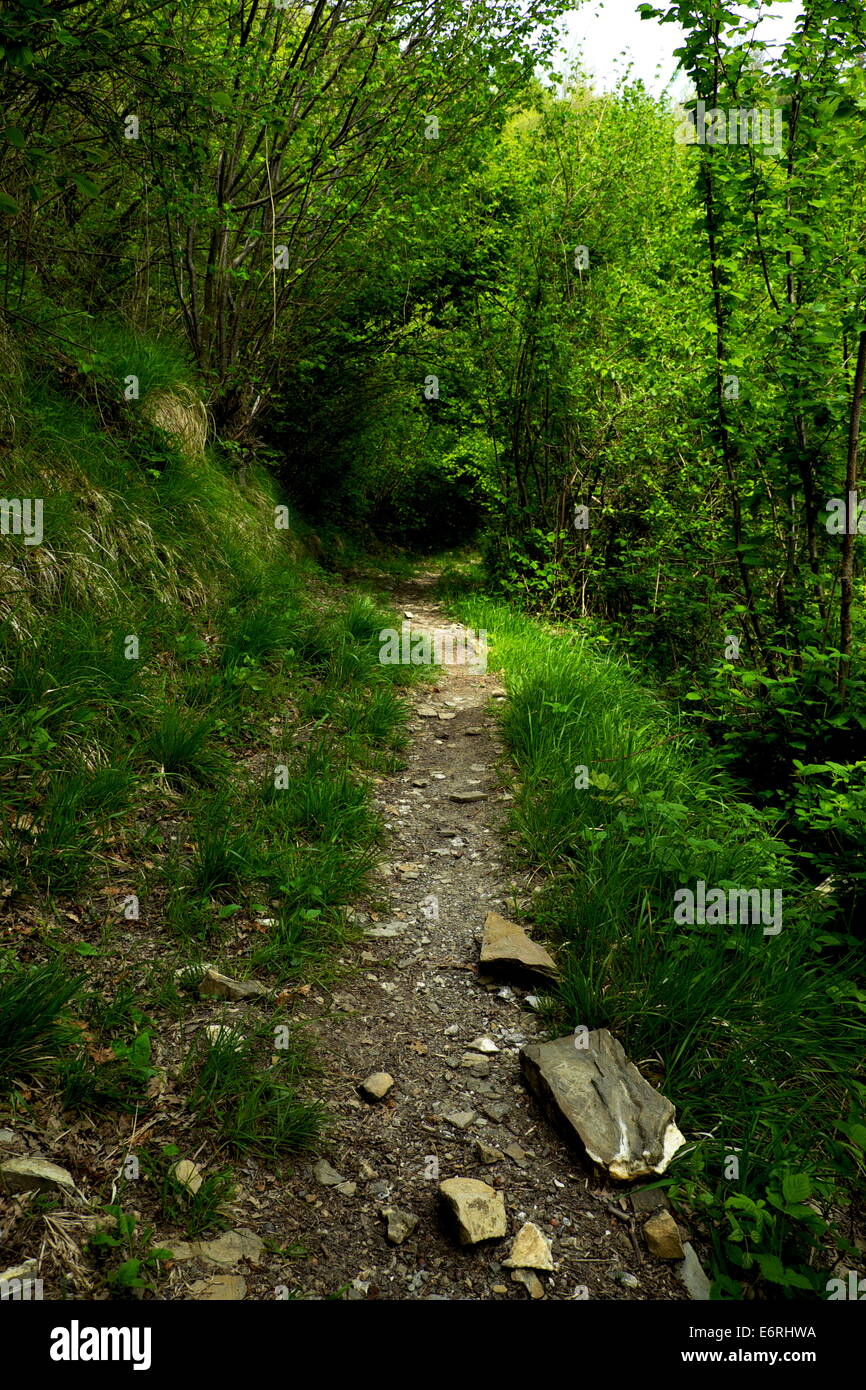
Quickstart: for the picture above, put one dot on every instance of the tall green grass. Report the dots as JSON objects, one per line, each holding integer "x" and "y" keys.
{"x": 33, "y": 1027}
{"x": 161, "y": 652}
{"x": 757, "y": 1039}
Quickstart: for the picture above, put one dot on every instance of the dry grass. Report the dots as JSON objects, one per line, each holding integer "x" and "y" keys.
{"x": 11, "y": 384}
{"x": 182, "y": 415}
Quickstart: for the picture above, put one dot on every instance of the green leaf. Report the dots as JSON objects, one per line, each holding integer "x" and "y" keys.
{"x": 772, "y": 1269}
{"x": 856, "y": 1133}
{"x": 796, "y": 1187}
{"x": 128, "y": 1275}
{"x": 85, "y": 185}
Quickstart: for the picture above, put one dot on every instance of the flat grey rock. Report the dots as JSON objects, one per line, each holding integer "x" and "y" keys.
{"x": 496, "y": 1110}
{"x": 34, "y": 1175}
{"x": 462, "y": 1119}
{"x": 326, "y": 1175}
{"x": 648, "y": 1200}
{"x": 623, "y": 1123}
{"x": 692, "y": 1275}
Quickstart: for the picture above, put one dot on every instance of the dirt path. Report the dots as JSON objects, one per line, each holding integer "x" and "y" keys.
{"x": 411, "y": 1010}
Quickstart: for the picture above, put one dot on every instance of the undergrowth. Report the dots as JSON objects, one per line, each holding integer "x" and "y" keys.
{"x": 755, "y": 1029}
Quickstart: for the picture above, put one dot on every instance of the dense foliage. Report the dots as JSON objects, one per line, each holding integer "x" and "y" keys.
{"x": 376, "y": 263}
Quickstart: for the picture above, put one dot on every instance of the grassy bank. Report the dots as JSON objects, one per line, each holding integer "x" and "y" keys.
{"x": 191, "y": 715}
{"x": 757, "y": 1038}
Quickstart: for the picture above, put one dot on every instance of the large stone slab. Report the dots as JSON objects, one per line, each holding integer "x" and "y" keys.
{"x": 505, "y": 945}
{"x": 622, "y": 1122}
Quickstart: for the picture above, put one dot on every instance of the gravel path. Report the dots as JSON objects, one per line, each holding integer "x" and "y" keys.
{"x": 412, "y": 1009}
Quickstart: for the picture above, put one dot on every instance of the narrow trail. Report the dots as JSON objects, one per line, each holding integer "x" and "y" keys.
{"x": 411, "y": 1010}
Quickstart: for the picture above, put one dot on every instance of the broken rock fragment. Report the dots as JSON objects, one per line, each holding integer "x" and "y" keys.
{"x": 531, "y": 1250}
{"x": 377, "y": 1085}
{"x": 486, "y": 1153}
{"x": 504, "y": 945}
{"x": 663, "y": 1238}
{"x": 479, "y": 1209}
{"x": 217, "y": 986}
{"x": 622, "y": 1122}
{"x": 400, "y": 1224}
{"x": 188, "y": 1175}
{"x": 530, "y": 1282}
{"x": 325, "y": 1174}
